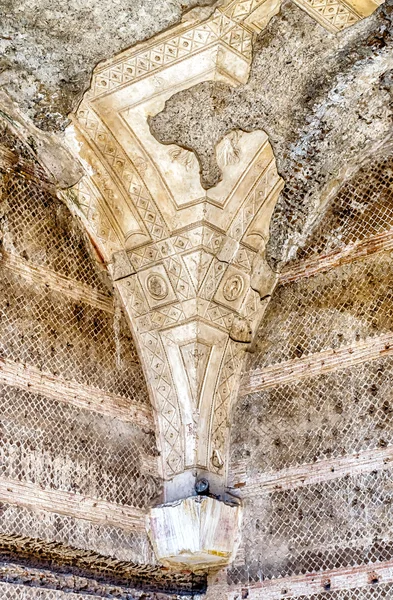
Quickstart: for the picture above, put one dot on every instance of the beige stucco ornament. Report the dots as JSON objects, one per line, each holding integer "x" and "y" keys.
{"x": 188, "y": 263}
{"x": 182, "y": 257}
{"x": 195, "y": 533}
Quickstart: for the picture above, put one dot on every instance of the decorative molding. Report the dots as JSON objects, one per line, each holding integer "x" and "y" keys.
{"x": 72, "y": 504}
{"x": 188, "y": 39}
{"x": 82, "y": 396}
{"x": 188, "y": 262}
{"x": 183, "y": 258}
{"x": 253, "y": 14}
{"x": 309, "y": 474}
{"x": 337, "y": 15}
{"x": 318, "y": 264}
{"x": 56, "y": 282}
{"x": 317, "y": 583}
{"x": 333, "y": 15}
{"x": 371, "y": 348}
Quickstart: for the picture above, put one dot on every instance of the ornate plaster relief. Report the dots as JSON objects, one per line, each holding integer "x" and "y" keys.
{"x": 188, "y": 262}
{"x": 182, "y": 257}
{"x": 338, "y": 15}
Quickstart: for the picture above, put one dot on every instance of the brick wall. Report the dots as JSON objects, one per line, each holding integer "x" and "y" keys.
{"x": 79, "y": 459}
{"x": 312, "y": 432}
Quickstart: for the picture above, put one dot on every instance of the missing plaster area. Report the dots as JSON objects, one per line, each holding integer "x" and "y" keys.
{"x": 100, "y": 455}
{"x": 39, "y": 228}
{"x": 41, "y": 326}
{"x": 316, "y": 418}
{"x": 305, "y": 93}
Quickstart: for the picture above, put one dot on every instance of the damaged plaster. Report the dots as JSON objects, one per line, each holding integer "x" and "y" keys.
{"x": 311, "y": 437}
{"x": 323, "y": 100}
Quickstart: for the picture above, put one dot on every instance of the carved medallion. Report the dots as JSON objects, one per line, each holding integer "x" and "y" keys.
{"x": 233, "y": 288}
{"x": 157, "y": 286}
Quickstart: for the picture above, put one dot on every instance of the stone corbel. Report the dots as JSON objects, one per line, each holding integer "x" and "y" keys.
{"x": 196, "y": 533}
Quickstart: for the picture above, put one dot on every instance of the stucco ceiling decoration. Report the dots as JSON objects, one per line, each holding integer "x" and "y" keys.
{"x": 188, "y": 262}
{"x": 336, "y": 16}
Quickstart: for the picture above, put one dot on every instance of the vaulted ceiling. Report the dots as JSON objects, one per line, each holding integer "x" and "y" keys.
{"x": 176, "y": 160}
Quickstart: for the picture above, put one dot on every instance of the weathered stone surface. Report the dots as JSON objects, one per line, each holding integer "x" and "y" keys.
{"x": 30, "y": 564}
{"x": 48, "y": 149}
{"x": 49, "y": 49}
{"x": 197, "y": 533}
{"x": 323, "y": 100}
{"x": 318, "y": 445}
{"x": 183, "y": 256}
{"x": 312, "y": 442}
{"x": 68, "y": 445}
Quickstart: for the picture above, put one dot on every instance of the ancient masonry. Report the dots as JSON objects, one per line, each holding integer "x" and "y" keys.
{"x": 118, "y": 392}
{"x": 78, "y": 449}
{"x": 312, "y": 447}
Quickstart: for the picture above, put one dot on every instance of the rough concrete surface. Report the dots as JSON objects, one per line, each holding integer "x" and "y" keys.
{"x": 324, "y": 101}
{"x": 48, "y": 49}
